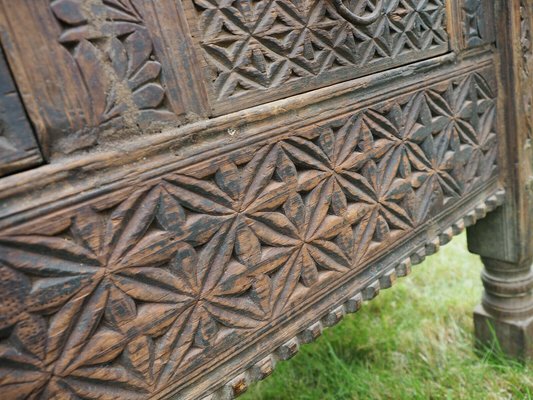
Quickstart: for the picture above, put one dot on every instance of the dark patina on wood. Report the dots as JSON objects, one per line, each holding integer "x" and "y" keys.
{"x": 228, "y": 178}
{"x": 18, "y": 148}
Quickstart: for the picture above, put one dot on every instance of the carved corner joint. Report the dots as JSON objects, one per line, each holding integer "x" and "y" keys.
{"x": 354, "y": 18}
{"x": 505, "y": 315}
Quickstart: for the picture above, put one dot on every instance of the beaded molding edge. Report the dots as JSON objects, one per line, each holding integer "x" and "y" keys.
{"x": 386, "y": 279}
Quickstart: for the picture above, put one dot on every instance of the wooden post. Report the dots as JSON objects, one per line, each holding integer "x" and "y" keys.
{"x": 505, "y": 238}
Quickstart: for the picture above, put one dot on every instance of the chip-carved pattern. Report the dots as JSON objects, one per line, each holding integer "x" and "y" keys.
{"x": 385, "y": 280}
{"x": 120, "y": 300}
{"x": 257, "y": 46}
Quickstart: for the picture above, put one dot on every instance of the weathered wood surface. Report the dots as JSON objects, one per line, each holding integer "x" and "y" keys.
{"x": 256, "y": 52}
{"x": 92, "y": 71}
{"x": 505, "y": 240}
{"x": 155, "y": 283}
{"x": 137, "y": 70}
{"x": 18, "y": 148}
{"x": 167, "y": 250}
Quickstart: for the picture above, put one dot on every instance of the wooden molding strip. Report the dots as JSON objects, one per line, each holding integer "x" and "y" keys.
{"x": 127, "y": 164}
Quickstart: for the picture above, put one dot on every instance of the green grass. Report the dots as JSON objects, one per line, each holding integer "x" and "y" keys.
{"x": 414, "y": 341}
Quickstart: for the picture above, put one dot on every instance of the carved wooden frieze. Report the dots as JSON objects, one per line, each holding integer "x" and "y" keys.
{"x": 260, "y": 51}
{"x": 129, "y": 294}
{"x": 18, "y": 148}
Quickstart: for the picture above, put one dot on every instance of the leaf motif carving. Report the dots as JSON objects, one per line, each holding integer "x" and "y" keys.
{"x": 92, "y": 67}
{"x": 114, "y": 52}
{"x": 69, "y": 11}
{"x": 123, "y": 299}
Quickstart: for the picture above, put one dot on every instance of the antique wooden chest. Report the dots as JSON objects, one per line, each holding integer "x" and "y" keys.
{"x": 193, "y": 189}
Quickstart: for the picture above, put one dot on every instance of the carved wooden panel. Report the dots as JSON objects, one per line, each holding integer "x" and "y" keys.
{"x": 261, "y": 51}
{"x": 137, "y": 291}
{"x": 97, "y": 71}
{"x": 478, "y": 22}
{"x": 18, "y": 148}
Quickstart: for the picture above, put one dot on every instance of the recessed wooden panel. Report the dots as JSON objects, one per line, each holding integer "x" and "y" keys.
{"x": 18, "y": 148}
{"x": 478, "y": 24}
{"x": 136, "y": 293}
{"x": 256, "y": 52}
{"x": 94, "y": 71}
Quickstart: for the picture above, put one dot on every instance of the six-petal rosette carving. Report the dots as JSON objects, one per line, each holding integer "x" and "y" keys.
{"x": 119, "y": 299}
{"x": 252, "y": 46}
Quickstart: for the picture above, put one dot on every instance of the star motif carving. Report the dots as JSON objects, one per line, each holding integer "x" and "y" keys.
{"x": 121, "y": 298}
{"x": 257, "y": 46}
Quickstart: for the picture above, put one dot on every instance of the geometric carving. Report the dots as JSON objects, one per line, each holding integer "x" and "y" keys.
{"x": 252, "y": 47}
{"x": 262, "y": 369}
{"x": 126, "y": 298}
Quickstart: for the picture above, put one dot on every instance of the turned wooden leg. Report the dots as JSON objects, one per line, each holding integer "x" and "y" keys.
{"x": 506, "y": 309}
{"x": 505, "y": 238}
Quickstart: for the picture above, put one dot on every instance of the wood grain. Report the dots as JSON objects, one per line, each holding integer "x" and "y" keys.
{"x": 505, "y": 239}
{"x": 478, "y": 22}
{"x": 129, "y": 295}
{"x": 18, "y": 148}
{"x": 226, "y": 179}
{"x": 257, "y": 52}
{"x": 92, "y": 72}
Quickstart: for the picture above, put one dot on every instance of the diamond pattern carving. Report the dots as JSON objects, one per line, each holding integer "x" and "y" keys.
{"x": 127, "y": 298}
{"x": 254, "y": 46}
